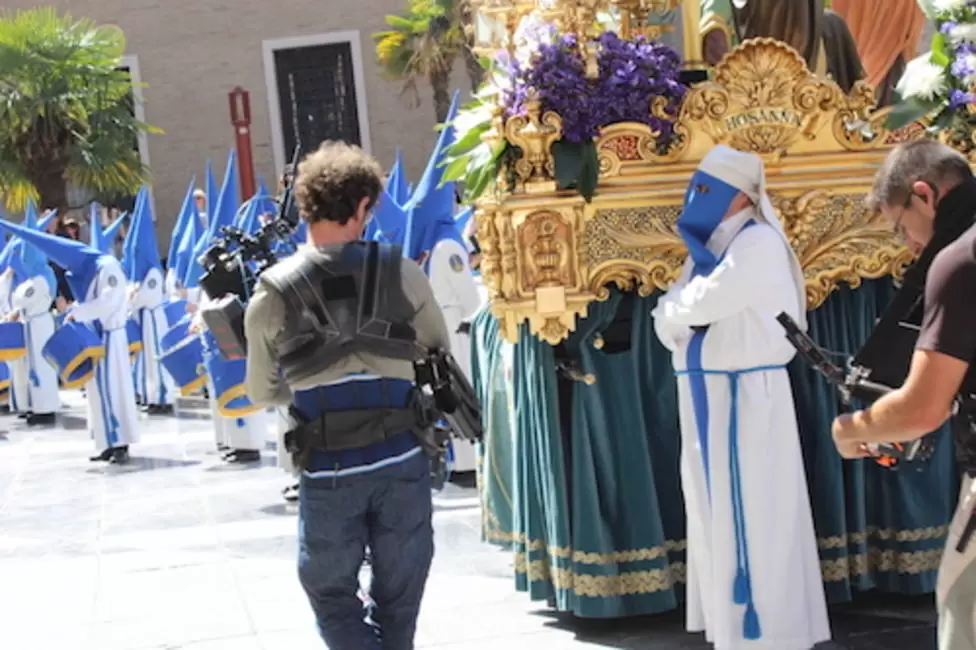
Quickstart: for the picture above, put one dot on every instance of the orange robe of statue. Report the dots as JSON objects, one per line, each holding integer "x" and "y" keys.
{"x": 886, "y": 32}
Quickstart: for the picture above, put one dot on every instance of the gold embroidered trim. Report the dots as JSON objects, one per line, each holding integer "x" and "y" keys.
{"x": 875, "y": 560}
{"x": 885, "y": 534}
{"x": 582, "y": 557}
{"x": 623, "y": 584}
{"x": 657, "y": 580}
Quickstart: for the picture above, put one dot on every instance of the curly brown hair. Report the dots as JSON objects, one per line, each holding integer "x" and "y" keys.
{"x": 334, "y": 180}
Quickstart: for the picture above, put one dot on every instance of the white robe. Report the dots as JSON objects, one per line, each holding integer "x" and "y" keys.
{"x": 739, "y": 302}
{"x": 237, "y": 433}
{"x": 456, "y": 291}
{"x": 153, "y": 383}
{"x": 33, "y": 300}
{"x": 19, "y": 395}
{"x": 113, "y": 417}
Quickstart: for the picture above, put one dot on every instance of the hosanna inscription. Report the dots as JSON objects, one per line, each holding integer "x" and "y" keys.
{"x": 763, "y": 117}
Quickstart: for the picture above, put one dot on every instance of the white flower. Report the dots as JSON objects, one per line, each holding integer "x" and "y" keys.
{"x": 948, "y": 5}
{"x": 922, "y": 79}
{"x": 965, "y": 33}
{"x": 530, "y": 35}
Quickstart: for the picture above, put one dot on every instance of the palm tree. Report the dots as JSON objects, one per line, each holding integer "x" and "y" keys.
{"x": 66, "y": 113}
{"x": 423, "y": 44}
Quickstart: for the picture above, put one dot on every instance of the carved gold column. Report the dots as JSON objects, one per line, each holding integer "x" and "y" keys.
{"x": 534, "y": 133}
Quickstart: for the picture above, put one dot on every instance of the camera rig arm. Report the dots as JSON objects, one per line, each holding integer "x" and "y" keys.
{"x": 852, "y": 385}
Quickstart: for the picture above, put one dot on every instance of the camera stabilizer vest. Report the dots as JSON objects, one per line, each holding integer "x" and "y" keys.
{"x": 341, "y": 302}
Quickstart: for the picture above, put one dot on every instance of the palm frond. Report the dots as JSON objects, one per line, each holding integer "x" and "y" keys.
{"x": 65, "y": 105}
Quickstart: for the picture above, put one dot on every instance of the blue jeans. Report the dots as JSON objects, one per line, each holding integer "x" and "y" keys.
{"x": 389, "y": 510}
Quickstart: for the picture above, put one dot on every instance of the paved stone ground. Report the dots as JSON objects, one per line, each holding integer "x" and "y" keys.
{"x": 179, "y": 551}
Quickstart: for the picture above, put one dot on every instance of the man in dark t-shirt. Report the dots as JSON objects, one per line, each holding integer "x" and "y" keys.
{"x": 927, "y": 192}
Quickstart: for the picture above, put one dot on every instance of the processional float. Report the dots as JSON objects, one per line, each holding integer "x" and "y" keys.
{"x": 580, "y": 478}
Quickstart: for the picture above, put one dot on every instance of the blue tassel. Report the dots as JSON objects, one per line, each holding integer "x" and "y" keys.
{"x": 241, "y": 423}
{"x": 750, "y": 628}
{"x": 34, "y": 379}
{"x": 740, "y": 591}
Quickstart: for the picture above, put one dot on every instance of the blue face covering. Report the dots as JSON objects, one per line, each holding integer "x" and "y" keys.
{"x": 706, "y": 203}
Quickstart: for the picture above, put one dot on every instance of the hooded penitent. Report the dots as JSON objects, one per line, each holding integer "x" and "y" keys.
{"x": 103, "y": 239}
{"x": 79, "y": 261}
{"x": 183, "y": 221}
{"x": 144, "y": 253}
{"x": 431, "y": 208}
{"x": 222, "y": 214}
{"x": 35, "y": 262}
{"x": 389, "y": 220}
{"x": 722, "y": 174}
{"x": 391, "y": 199}
{"x": 397, "y": 184}
{"x": 719, "y": 320}
{"x": 129, "y": 244}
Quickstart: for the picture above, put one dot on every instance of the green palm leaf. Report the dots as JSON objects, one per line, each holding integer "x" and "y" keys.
{"x": 66, "y": 109}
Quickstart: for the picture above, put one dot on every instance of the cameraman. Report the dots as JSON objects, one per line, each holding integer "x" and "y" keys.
{"x": 926, "y": 190}
{"x": 332, "y": 333}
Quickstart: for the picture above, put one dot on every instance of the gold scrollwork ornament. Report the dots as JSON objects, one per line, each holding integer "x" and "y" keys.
{"x": 534, "y": 133}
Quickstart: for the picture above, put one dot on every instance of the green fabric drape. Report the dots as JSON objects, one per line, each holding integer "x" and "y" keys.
{"x": 625, "y": 472}
{"x": 876, "y": 528}
{"x": 542, "y": 516}
{"x": 496, "y": 461}
{"x": 607, "y": 540}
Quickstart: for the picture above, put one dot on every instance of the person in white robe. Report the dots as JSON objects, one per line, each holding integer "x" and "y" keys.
{"x": 98, "y": 284}
{"x": 239, "y": 438}
{"x": 19, "y": 402}
{"x": 31, "y": 305}
{"x": 147, "y": 303}
{"x": 754, "y": 580}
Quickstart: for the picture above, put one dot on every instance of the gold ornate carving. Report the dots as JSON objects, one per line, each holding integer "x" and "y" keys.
{"x": 534, "y": 133}
{"x": 546, "y": 254}
{"x": 764, "y": 99}
{"x": 913, "y": 131}
{"x": 624, "y": 146}
{"x": 548, "y": 240}
{"x": 632, "y": 248}
{"x": 838, "y": 241}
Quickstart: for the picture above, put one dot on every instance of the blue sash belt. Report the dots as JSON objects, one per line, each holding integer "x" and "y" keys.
{"x": 742, "y": 587}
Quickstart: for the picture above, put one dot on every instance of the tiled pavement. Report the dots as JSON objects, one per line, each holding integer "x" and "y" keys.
{"x": 179, "y": 551}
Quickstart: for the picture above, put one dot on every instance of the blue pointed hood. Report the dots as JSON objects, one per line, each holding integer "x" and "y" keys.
{"x": 431, "y": 207}
{"x": 79, "y": 261}
{"x": 97, "y": 238}
{"x": 463, "y": 219}
{"x": 223, "y": 215}
{"x": 186, "y": 213}
{"x": 184, "y": 254}
{"x": 210, "y": 187}
{"x": 145, "y": 248}
{"x": 128, "y": 246}
{"x": 247, "y": 216}
{"x": 10, "y": 258}
{"x": 429, "y": 191}
{"x": 46, "y": 221}
{"x": 396, "y": 183}
{"x": 111, "y": 232}
{"x": 390, "y": 220}
{"x": 35, "y": 262}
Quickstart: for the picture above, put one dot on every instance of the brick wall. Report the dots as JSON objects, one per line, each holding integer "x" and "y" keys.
{"x": 191, "y": 53}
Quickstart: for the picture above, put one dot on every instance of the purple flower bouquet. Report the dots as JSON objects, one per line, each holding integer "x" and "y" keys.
{"x": 631, "y": 75}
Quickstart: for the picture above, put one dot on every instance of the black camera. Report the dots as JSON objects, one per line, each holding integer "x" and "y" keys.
{"x": 232, "y": 265}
